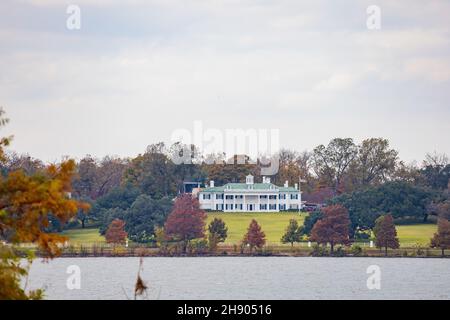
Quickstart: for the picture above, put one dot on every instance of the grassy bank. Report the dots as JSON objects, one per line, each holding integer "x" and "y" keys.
{"x": 273, "y": 224}
{"x": 80, "y": 236}
{"x": 410, "y": 235}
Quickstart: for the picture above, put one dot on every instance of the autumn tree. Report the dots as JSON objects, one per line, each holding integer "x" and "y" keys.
{"x": 186, "y": 221}
{"x": 441, "y": 239}
{"x": 26, "y": 202}
{"x": 293, "y": 233}
{"x": 385, "y": 233}
{"x": 331, "y": 163}
{"x": 443, "y": 210}
{"x": 374, "y": 163}
{"x": 233, "y": 169}
{"x": 255, "y": 237}
{"x": 22, "y": 162}
{"x": 218, "y": 232}
{"x": 153, "y": 172}
{"x": 333, "y": 227}
{"x": 95, "y": 179}
{"x": 116, "y": 232}
{"x": 436, "y": 171}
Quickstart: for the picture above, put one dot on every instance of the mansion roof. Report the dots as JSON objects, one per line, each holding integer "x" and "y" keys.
{"x": 249, "y": 187}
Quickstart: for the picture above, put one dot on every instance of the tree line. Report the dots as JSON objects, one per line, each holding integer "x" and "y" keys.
{"x": 368, "y": 179}
{"x": 187, "y": 222}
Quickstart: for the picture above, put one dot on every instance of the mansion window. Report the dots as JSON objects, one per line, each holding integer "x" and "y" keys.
{"x": 219, "y": 196}
{"x": 206, "y": 196}
{"x": 263, "y": 207}
{"x": 219, "y": 206}
{"x": 272, "y": 207}
{"x": 283, "y": 196}
{"x": 263, "y": 197}
{"x": 294, "y": 196}
{"x": 239, "y": 206}
{"x": 229, "y": 197}
{"x": 273, "y": 196}
{"x": 228, "y": 207}
{"x": 282, "y": 207}
{"x": 239, "y": 197}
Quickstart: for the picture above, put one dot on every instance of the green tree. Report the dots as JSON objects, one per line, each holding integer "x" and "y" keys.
{"x": 153, "y": 173}
{"x": 310, "y": 221}
{"x": 401, "y": 199}
{"x": 144, "y": 215}
{"x": 218, "y": 232}
{"x": 293, "y": 233}
{"x": 385, "y": 233}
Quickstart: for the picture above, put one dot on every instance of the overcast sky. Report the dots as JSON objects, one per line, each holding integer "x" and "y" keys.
{"x": 138, "y": 70}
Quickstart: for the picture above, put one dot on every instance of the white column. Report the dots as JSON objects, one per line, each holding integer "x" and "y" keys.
{"x": 234, "y": 203}
{"x": 244, "y": 208}
{"x": 268, "y": 196}
{"x": 278, "y": 202}
{"x": 259, "y": 203}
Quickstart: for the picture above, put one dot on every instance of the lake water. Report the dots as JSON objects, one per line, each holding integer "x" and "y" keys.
{"x": 245, "y": 278}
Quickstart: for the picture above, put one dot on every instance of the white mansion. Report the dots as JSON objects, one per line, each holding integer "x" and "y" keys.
{"x": 250, "y": 196}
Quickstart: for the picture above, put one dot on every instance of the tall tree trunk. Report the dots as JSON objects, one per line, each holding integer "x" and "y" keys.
{"x": 385, "y": 251}
{"x": 332, "y": 247}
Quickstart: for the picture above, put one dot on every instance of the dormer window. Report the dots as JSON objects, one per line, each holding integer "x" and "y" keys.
{"x": 249, "y": 179}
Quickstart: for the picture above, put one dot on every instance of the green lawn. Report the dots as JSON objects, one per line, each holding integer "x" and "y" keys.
{"x": 77, "y": 236}
{"x": 273, "y": 224}
{"x": 410, "y": 235}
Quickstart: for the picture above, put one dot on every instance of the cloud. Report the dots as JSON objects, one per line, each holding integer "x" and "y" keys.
{"x": 428, "y": 69}
{"x": 137, "y": 71}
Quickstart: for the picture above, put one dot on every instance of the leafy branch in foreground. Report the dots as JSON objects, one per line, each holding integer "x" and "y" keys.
{"x": 26, "y": 204}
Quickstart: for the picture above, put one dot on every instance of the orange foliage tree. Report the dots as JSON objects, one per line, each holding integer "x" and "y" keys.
{"x": 254, "y": 237}
{"x": 26, "y": 201}
{"x": 385, "y": 233}
{"x": 441, "y": 239}
{"x": 116, "y": 232}
{"x": 333, "y": 228}
{"x": 186, "y": 221}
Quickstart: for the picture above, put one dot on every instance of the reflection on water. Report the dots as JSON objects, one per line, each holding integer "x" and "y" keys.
{"x": 246, "y": 278}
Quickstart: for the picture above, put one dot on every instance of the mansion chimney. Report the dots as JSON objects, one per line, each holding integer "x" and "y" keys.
{"x": 286, "y": 184}
{"x": 296, "y": 186}
{"x": 211, "y": 184}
